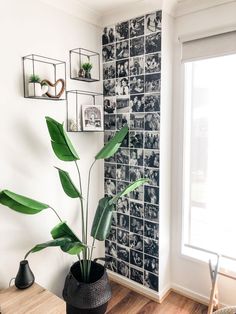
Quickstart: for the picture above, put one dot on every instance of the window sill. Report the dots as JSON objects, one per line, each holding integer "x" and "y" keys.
{"x": 227, "y": 266}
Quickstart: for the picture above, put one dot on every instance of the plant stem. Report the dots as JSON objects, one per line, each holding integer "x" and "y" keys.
{"x": 91, "y": 255}
{"x": 56, "y": 213}
{"x": 87, "y": 202}
{"x": 82, "y": 216}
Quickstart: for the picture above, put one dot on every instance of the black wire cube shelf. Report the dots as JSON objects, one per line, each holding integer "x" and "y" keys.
{"x": 84, "y": 65}
{"x": 44, "y": 78}
{"x": 84, "y": 111}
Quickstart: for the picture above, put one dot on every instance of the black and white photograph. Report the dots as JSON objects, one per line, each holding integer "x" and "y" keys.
{"x": 122, "y": 68}
{"x": 137, "y": 103}
{"x": 153, "y": 63}
{"x": 110, "y": 187}
{"x": 114, "y": 219}
{"x": 123, "y": 237}
{"x": 122, "y": 156}
{"x": 136, "y": 27}
{"x": 122, "y": 31}
{"x": 136, "y": 225}
{"x": 112, "y": 235}
{"x": 120, "y": 186}
{"x": 136, "y": 258}
{"x": 92, "y": 117}
{"x": 152, "y": 102}
{"x": 122, "y": 105}
{"x": 152, "y": 83}
{"x": 151, "y": 247}
{"x": 153, "y": 22}
{"x": 110, "y": 122}
{"x": 150, "y": 263}
{"x": 151, "y": 194}
{"x": 136, "y": 121}
{"x": 122, "y": 172}
{"x": 151, "y": 212}
{"x": 136, "y": 46}
{"x": 136, "y": 242}
{"x": 109, "y": 70}
{"x": 153, "y": 43}
{"x": 136, "y": 139}
{"x": 108, "y": 53}
{"x": 125, "y": 142}
{"x": 136, "y": 84}
{"x": 151, "y": 159}
{"x": 136, "y": 209}
{"x": 122, "y": 221}
{"x": 110, "y": 170}
{"x": 137, "y": 194}
{"x": 151, "y": 230}
{"x": 109, "y": 87}
{"x": 108, "y": 35}
{"x": 122, "y": 49}
{"x": 108, "y": 135}
{"x": 123, "y": 268}
{"x": 109, "y": 105}
{"x": 152, "y": 121}
{"x": 136, "y": 157}
{"x": 122, "y": 120}
{"x": 151, "y": 140}
{"x": 152, "y": 175}
{"x": 150, "y": 281}
{"x": 136, "y": 65}
{"x": 111, "y": 263}
{"x": 122, "y": 205}
{"x": 136, "y": 275}
{"x": 123, "y": 253}
{"x": 122, "y": 87}
{"x": 135, "y": 173}
{"x": 110, "y": 248}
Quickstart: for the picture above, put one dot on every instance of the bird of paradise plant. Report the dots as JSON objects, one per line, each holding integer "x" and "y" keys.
{"x": 62, "y": 235}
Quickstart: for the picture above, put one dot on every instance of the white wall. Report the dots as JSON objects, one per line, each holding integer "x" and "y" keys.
{"x": 26, "y": 158}
{"x": 188, "y": 275}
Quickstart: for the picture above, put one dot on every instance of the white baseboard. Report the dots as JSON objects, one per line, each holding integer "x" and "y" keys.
{"x": 190, "y": 294}
{"x": 155, "y": 296}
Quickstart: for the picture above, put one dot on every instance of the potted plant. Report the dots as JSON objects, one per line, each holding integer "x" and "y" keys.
{"x": 35, "y": 88}
{"x": 87, "y": 67}
{"x": 87, "y": 288}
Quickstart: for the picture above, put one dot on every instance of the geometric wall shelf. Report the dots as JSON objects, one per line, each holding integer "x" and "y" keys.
{"x": 76, "y": 101}
{"x": 50, "y": 77}
{"x": 80, "y": 57}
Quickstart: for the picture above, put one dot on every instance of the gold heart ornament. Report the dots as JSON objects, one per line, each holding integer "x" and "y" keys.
{"x": 54, "y": 85}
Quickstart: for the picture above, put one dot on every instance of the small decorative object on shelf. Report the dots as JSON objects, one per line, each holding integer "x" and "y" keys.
{"x": 44, "y": 78}
{"x": 84, "y": 111}
{"x": 84, "y": 65}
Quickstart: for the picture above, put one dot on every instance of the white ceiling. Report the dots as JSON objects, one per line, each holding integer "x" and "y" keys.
{"x": 105, "y": 6}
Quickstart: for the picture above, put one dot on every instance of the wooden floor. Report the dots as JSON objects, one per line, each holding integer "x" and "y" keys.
{"x": 125, "y": 301}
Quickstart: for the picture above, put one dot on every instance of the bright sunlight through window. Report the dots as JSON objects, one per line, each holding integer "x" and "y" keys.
{"x": 210, "y": 154}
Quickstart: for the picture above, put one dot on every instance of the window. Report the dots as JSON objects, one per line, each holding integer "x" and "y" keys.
{"x": 210, "y": 154}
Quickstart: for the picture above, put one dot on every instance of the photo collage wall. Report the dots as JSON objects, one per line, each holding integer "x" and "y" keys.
{"x": 131, "y": 55}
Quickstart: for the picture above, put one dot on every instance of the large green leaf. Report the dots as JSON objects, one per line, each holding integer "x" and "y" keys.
{"x": 75, "y": 246}
{"x": 102, "y": 219}
{"x": 21, "y": 203}
{"x": 131, "y": 187}
{"x": 67, "y": 184}
{"x": 51, "y": 243}
{"x": 113, "y": 145}
{"x": 60, "y": 141}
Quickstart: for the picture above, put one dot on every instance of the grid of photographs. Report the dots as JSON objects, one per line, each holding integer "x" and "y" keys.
{"x": 131, "y": 84}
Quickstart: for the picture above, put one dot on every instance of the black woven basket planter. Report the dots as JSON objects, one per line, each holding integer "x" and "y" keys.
{"x": 87, "y": 298}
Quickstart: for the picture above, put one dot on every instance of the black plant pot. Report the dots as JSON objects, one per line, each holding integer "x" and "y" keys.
{"x": 87, "y": 298}
{"x": 87, "y": 75}
{"x": 25, "y": 277}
